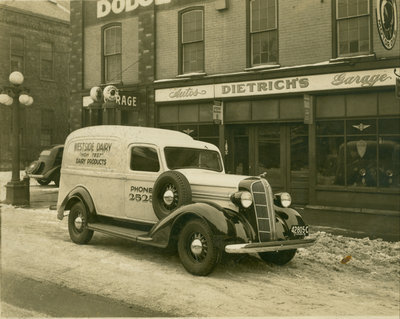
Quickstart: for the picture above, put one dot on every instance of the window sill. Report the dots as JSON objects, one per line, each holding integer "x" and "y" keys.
{"x": 354, "y": 58}
{"x": 47, "y": 80}
{"x": 191, "y": 75}
{"x": 263, "y": 67}
{"x": 119, "y": 83}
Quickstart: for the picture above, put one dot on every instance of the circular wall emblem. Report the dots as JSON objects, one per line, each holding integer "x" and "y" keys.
{"x": 386, "y": 20}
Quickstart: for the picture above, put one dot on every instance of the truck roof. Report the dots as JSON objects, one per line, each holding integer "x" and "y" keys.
{"x": 139, "y": 134}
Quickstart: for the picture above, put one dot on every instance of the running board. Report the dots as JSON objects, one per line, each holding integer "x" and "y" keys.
{"x": 122, "y": 232}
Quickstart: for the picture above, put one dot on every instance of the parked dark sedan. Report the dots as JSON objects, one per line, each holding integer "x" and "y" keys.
{"x": 47, "y": 167}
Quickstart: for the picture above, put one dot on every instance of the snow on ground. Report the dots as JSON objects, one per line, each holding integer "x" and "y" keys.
{"x": 316, "y": 283}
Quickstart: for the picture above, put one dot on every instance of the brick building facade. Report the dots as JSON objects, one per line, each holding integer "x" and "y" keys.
{"x": 306, "y": 89}
{"x": 35, "y": 40}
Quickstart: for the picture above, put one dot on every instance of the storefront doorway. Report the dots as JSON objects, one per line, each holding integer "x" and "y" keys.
{"x": 279, "y": 149}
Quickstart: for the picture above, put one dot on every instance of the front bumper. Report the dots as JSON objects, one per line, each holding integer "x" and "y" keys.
{"x": 269, "y": 246}
{"x": 38, "y": 176}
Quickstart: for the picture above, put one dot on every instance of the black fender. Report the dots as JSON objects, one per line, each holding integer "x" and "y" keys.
{"x": 79, "y": 193}
{"x": 287, "y": 217}
{"x": 49, "y": 173}
{"x": 226, "y": 225}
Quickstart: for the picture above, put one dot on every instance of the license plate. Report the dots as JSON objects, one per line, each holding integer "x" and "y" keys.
{"x": 298, "y": 230}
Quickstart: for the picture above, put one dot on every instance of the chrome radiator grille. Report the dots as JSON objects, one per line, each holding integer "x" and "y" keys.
{"x": 264, "y": 210}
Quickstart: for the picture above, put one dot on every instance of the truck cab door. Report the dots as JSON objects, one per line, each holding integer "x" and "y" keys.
{"x": 144, "y": 168}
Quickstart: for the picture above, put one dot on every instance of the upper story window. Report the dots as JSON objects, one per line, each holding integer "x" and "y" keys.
{"x": 47, "y": 120}
{"x": 46, "y": 61}
{"x": 112, "y": 53}
{"x": 192, "y": 41}
{"x": 353, "y": 27}
{"x": 17, "y": 54}
{"x": 263, "y": 31}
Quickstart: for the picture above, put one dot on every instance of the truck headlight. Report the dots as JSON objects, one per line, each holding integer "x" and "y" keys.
{"x": 242, "y": 198}
{"x": 283, "y": 199}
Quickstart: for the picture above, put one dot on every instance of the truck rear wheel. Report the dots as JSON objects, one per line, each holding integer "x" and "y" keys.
{"x": 77, "y": 224}
{"x": 278, "y": 257}
{"x": 196, "y": 247}
{"x": 171, "y": 190}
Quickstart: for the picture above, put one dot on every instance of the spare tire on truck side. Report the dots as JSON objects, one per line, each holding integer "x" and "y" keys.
{"x": 171, "y": 190}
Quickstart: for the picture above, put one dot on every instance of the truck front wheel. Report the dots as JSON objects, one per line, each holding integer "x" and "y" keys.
{"x": 196, "y": 247}
{"x": 77, "y": 224}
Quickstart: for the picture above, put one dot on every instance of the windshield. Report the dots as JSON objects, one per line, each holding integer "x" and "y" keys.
{"x": 180, "y": 157}
{"x": 45, "y": 153}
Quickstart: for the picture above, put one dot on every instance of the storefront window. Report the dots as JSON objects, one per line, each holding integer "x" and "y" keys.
{"x": 202, "y": 132}
{"x": 299, "y": 150}
{"x": 358, "y": 152}
{"x": 269, "y": 145}
{"x": 240, "y": 150}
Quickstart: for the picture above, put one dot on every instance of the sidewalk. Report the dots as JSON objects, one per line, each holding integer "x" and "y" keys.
{"x": 347, "y": 223}
{"x": 379, "y": 224}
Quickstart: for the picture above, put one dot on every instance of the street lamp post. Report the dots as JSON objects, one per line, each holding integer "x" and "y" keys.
{"x": 17, "y": 191}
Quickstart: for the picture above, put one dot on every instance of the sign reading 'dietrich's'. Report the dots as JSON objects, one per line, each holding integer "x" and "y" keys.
{"x": 312, "y": 83}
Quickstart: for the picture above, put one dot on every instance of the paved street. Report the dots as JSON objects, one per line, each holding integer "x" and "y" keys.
{"x": 49, "y": 299}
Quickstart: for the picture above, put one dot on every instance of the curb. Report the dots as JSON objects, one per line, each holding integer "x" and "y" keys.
{"x": 378, "y": 212}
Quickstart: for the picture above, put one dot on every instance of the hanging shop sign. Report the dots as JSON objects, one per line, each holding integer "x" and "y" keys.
{"x": 126, "y": 99}
{"x": 308, "y": 109}
{"x": 386, "y": 21}
{"x": 218, "y": 112}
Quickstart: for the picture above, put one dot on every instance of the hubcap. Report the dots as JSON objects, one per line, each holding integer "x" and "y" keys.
{"x": 168, "y": 197}
{"x": 78, "y": 222}
{"x": 196, "y": 247}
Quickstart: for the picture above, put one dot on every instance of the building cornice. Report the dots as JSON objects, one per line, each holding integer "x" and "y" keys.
{"x": 37, "y": 22}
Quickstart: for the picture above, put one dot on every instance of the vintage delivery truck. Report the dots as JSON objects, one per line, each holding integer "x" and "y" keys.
{"x": 163, "y": 188}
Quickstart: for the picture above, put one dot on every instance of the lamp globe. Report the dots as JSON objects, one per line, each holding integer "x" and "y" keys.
{"x": 16, "y": 78}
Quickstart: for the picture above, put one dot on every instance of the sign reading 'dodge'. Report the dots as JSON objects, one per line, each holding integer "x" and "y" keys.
{"x": 105, "y": 7}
